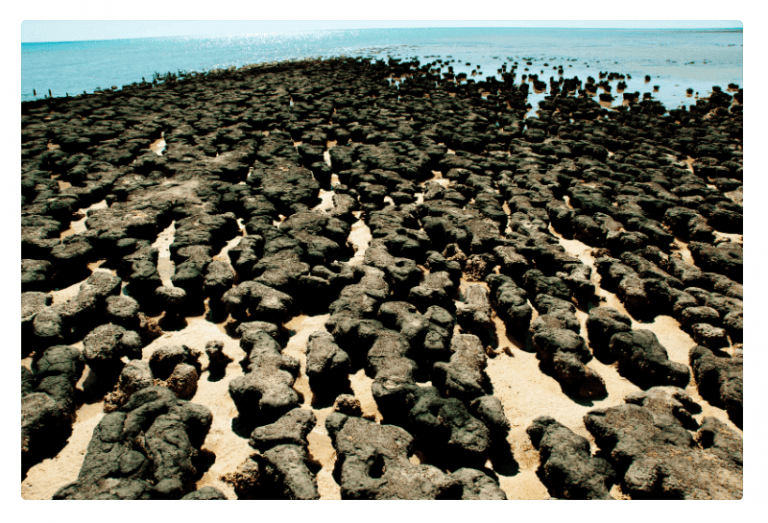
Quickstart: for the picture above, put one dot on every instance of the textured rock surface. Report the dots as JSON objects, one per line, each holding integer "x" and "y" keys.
{"x": 373, "y": 463}
{"x": 658, "y": 458}
{"x": 265, "y": 392}
{"x": 720, "y": 380}
{"x": 568, "y": 469}
{"x": 48, "y": 401}
{"x": 143, "y": 451}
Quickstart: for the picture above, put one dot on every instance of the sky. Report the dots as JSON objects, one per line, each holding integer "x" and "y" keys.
{"x": 74, "y": 30}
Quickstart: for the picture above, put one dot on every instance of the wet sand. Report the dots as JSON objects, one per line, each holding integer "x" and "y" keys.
{"x": 78, "y": 225}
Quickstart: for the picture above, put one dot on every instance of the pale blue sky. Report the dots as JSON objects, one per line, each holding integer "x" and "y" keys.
{"x": 72, "y": 30}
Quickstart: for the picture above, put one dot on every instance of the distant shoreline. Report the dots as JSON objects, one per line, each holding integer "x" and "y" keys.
{"x": 693, "y": 30}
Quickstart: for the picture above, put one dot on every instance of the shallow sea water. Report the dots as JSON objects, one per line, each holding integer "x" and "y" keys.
{"x": 675, "y": 59}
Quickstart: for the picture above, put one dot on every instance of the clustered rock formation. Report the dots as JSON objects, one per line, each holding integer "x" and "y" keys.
{"x": 466, "y": 200}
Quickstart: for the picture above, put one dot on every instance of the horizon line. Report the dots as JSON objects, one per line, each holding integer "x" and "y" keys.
{"x": 212, "y": 35}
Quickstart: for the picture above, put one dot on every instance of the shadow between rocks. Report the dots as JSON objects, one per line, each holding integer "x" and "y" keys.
{"x": 504, "y": 462}
{"x": 57, "y": 441}
{"x": 216, "y": 372}
{"x": 203, "y": 461}
{"x": 325, "y": 396}
{"x": 243, "y": 427}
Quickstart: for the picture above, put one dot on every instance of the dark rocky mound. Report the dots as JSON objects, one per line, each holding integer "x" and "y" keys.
{"x": 48, "y": 402}
{"x": 144, "y": 450}
{"x": 174, "y": 367}
{"x": 720, "y": 380}
{"x": 644, "y": 360}
{"x": 659, "y": 452}
{"x": 281, "y": 468}
{"x": 372, "y": 463}
{"x": 568, "y": 468}
{"x": 205, "y": 494}
{"x": 264, "y": 393}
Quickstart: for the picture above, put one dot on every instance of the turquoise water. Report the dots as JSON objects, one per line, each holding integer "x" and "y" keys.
{"x": 666, "y": 55}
